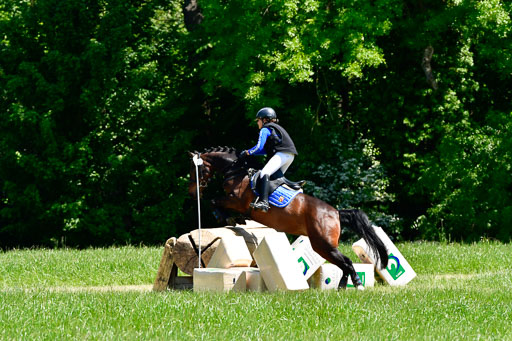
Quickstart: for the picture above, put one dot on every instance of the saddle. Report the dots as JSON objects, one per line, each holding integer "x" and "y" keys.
{"x": 276, "y": 180}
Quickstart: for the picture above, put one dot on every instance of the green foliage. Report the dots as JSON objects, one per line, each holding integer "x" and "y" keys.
{"x": 445, "y": 144}
{"x": 99, "y": 100}
{"x": 470, "y": 182}
{"x": 350, "y": 176}
{"x": 274, "y": 46}
{"x": 465, "y": 175}
{"x": 89, "y": 131}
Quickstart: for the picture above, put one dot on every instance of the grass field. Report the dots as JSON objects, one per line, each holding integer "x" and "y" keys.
{"x": 461, "y": 292}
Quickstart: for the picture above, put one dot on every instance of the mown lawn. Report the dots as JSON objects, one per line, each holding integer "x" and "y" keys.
{"x": 461, "y": 292}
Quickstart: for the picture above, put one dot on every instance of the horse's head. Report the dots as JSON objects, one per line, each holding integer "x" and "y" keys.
{"x": 208, "y": 162}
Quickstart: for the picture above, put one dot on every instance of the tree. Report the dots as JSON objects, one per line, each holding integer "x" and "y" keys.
{"x": 89, "y": 134}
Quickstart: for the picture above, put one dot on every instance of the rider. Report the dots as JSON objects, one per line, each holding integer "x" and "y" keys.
{"x": 277, "y": 144}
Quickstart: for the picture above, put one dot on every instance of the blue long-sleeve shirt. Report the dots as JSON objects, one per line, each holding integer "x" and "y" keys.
{"x": 258, "y": 148}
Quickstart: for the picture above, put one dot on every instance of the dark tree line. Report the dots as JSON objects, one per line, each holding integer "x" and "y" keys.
{"x": 402, "y": 108}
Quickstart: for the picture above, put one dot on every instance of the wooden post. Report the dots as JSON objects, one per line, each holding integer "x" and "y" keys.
{"x": 167, "y": 275}
{"x": 166, "y": 264}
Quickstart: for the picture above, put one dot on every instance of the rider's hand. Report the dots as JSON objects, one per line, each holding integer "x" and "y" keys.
{"x": 243, "y": 154}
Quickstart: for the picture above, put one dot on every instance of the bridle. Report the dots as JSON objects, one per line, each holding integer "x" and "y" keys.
{"x": 203, "y": 182}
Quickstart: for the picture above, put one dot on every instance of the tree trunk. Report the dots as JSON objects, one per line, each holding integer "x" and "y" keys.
{"x": 192, "y": 14}
{"x": 427, "y": 68}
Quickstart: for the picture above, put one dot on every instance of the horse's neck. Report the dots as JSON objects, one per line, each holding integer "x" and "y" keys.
{"x": 218, "y": 163}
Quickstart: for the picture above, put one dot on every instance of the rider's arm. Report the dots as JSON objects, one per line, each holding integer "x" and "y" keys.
{"x": 258, "y": 148}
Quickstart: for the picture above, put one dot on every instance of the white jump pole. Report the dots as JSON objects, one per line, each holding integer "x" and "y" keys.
{"x": 198, "y": 161}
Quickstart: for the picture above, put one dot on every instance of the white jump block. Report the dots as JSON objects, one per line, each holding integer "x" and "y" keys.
{"x": 304, "y": 254}
{"x": 366, "y": 273}
{"x": 231, "y": 252}
{"x": 327, "y": 277}
{"x": 279, "y": 269}
{"x": 254, "y": 280}
{"x": 398, "y": 271}
{"x": 220, "y": 280}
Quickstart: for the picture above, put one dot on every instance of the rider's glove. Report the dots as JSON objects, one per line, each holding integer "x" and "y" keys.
{"x": 243, "y": 155}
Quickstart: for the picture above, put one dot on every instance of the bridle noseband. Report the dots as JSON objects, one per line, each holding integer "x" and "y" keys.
{"x": 203, "y": 183}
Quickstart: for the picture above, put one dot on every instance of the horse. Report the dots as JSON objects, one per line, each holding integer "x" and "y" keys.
{"x": 305, "y": 215}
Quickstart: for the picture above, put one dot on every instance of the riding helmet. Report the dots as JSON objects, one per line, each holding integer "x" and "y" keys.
{"x": 266, "y": 113}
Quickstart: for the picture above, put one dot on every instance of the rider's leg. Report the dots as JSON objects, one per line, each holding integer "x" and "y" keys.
{"x": 278, "y": 161}
{"x": 287, "y": 161}
{"x": 264, "y": 188}
{"x": 275, "y": 163}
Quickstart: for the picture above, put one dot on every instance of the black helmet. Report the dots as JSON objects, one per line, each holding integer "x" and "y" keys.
{"x": 266, "y": 113}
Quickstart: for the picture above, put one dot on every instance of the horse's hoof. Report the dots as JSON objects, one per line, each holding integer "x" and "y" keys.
{"x": 240, "y": 220}
{"x": 357, "y": 282}
{"x": 231, "y": 221}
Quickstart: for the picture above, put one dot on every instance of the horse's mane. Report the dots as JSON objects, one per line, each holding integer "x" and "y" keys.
{"x": 236, "y": 168}
{"x": 220, "y": 149}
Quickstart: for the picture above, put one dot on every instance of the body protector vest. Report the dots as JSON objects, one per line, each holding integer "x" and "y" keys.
{"x": 278, "y": 141}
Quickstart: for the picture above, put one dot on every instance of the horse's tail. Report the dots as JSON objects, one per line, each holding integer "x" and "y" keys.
{"x": 358, "y": 221}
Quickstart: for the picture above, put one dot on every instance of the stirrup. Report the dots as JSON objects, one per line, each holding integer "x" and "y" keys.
{"x": 261, "y": 205}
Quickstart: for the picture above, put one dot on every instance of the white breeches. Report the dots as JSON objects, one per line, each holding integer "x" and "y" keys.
{"x": 279, "y": 161}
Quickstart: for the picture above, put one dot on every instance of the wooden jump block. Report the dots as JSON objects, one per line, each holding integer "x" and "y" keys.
{"x": 231, "y": 252}
{"x": 304, "y": 254}
{"x": 326, "y": 277}
{"x": 220, "y": 280}
{"x": 187, "y": 245}
{"x": 279, "y": 269}
{"x": 398, "y": 272}
{"x": 254, "y": 279}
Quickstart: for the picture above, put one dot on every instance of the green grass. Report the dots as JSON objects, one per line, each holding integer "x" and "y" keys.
{"x": 69, "y": 267}
{"x": 461, "y": 292}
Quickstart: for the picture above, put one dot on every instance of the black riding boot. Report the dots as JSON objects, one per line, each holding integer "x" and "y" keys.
{"x": 262, "y": 203}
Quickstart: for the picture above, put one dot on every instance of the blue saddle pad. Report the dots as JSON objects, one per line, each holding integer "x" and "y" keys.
{"x": 282, "y": 196}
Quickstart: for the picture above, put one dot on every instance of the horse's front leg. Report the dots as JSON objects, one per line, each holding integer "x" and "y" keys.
{"x": 219, "y": 211}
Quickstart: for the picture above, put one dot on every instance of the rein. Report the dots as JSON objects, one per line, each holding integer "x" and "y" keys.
{"x": 231, "y": 174}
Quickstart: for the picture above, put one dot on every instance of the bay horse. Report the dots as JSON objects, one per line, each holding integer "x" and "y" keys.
{"x": 305, "y": 215}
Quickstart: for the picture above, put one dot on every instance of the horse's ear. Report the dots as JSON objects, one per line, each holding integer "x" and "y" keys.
{"x": 190, "y": 154}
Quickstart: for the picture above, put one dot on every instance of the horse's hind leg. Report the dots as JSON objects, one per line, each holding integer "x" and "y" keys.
{"x": 345, "y": 264}
{"x": 333, "y": 255}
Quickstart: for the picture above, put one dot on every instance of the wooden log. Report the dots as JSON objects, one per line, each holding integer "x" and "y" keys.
{"x": 187, "y": 250}
{"x": 164, "y": 270}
